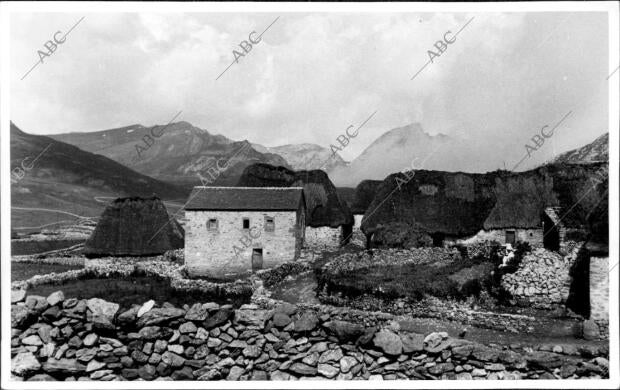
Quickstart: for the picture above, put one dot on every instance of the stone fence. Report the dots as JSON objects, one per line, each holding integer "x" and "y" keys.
{"x": 54, "y": 338}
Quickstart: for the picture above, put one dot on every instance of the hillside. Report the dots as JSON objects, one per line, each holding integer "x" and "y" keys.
{"x": 596, "y": 151}
{"x": 178, "y": 154}
{"x": 67, "y": 180}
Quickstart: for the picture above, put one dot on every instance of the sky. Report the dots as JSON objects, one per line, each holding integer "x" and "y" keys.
{"x": 313, "y": 75}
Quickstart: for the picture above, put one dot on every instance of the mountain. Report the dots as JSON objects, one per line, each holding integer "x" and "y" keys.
{"x": 178, "y": 153}
{"x": 596, "y": 151}
{"x": 306, "y": 156}
{"x": 401, "y": 149}
{"x": 54, "y": 181}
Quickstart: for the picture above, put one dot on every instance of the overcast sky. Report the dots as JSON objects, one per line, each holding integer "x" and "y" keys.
{"x": 313, "y": 75}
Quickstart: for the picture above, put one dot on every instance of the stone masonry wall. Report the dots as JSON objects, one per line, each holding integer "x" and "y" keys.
{"x": 533, "y": 236}
{"x": 542, "y": 279}
{"x": 54, "y": 338}
{"x": 599, "y": 294}
{"x": 228, "y": 251}
{"x": 323, "y": 237}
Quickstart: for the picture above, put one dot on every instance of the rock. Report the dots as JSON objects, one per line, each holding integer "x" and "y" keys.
{"x": 495, "y": 367}
{"x": 198, "y": 312}
{"x": 327, "y": 370}
{"x": 544, "y": 360}
{"x": 85, "y": 355}
{"x": 147, "y": 372}
{"x": 388, "y": 342}
{"x": 24, "y": 363}
{"x": 55, "y": 298}
{"x": 128, "y": 316}
{"x": 484, "y": 353}
{"x": 464, "y": 376}
{"x": 129, "y": 373}
{"x": 251, "y": 351}
{"x": 281, "y": 320}
{"x": 172, "y": 359}
{"x": 202, "y": 333}
{"x": 332, "y": 355}
{"x": 36, "y": 303}
{"x": 64, "y": 366}
{"x": 345, "y": 331}
{"x": 139, "y": 356}
{"x": 17, "y": 296}
{"x": 567, "y": 370}
{"x": 303, "y": 369}
{"x": 184, "y": 374}
{"x": 307, "y": 322}
{"x": 32, "y": 340}
{"x": 478, "y": 372}
{"x": 311, "y": 359}
{"x": 151, "y": 333}
{"x": 235, "y": 373}
{"x": 94, "y": 365}
{"x": 21, "y": 316}
{"x": 101, "y": 308}
{"x": 52, "y": 314}
{"x": 220, "y": 317}
{"x": 441, "y": 368}
{"x": 41, "y": 378}
{"x": 176, "y": 348}
{"x": 347, "y": 363}
{"x": 412, "y": 342}
{"x": 90, "y": 339}
{"x": 146, "y": 306}
{"x": 255, "y": 318}
{"x": 590, "y": 330}
{"x": 159, "y": 316}
{"x": 286, "y": 308}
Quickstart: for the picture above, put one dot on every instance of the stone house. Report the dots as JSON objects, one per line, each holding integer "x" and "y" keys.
{"x": 235, "y": 230}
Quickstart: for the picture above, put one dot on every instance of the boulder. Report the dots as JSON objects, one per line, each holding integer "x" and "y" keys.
{"x": 21, "y": 316}
{"x": 102, "y": 308}
{"x": 159, "y": 316}
{"x": 307, "y": 322}
{"x": 254, "y": 317}
{"x": 65, "y": 366}
{"x": 389, "y": 342}
{"x": 198, "y": 312}
{"x": 17, "y": 296}
{"x": 412, "y": 342}
{"x": 36, "y": 303}
{"x": 146, "y": 306}
{"x": 129, "y": 316}
{"x": 220, "y": 317}
{"x": 24, "y": 363}
{"x": 303, "y": 369}
{"x": 55, "y": 298}
{"x": 345, "y": 331}
{"x": 281, "y": 320}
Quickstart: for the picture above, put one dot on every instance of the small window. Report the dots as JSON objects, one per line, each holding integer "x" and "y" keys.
{"x": 246, "y": 223}
{"x": 212, "y": 224}
{"x": 270, "y": 224}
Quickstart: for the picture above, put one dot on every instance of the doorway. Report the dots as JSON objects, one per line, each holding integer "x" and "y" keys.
{"x": 257, "y": 259}
{"x": 511, "y": 237}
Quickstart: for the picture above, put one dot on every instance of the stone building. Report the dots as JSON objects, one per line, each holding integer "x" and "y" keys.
{"x": 235, "y": 230}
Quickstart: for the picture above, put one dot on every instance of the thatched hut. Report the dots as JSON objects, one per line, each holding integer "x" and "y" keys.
{"x": 134, "y": 227}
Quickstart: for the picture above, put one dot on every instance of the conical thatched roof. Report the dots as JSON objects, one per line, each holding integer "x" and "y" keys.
{"x": 134, "y": 227}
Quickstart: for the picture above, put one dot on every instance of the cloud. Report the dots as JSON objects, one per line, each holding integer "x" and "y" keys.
{"x": 313, "y": 75}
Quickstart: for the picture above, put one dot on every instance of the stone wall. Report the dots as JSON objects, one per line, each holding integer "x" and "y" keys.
{"x": 599, "y": 294}
{"x": 357, "y": 236}
{"x": 542, "y": 279}
{"x": 227, "y": 251}
{"x": 54, "y": 338}
{"x": 323, "y": 238}
{"x": 533, "y": 236}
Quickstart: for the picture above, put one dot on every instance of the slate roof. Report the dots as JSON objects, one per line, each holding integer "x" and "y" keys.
{"x": 245, "y": 198}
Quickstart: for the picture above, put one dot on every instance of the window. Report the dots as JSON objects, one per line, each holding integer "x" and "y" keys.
{"x": 212, "y": 224}
{"x": 270, "y": 224}
{"x": 246, "y": 223}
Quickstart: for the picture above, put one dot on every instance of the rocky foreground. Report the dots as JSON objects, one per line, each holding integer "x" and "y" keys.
{"x": 55, "y": 338}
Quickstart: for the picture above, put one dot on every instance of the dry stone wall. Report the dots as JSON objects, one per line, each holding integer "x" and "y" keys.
{"x": 599, "y": 295}
{"x": 542, "y": 280}
{"x": 54, "y": 338}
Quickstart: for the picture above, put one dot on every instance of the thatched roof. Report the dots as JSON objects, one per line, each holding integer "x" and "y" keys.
{"x": 461, "y": 204}
{"x": 134, "y": 227}
{"x": 324, "y": 207}
{"x": 245, "y": 198}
